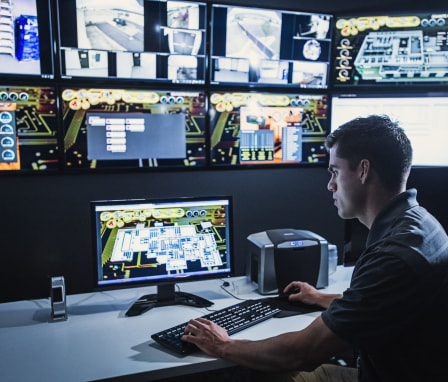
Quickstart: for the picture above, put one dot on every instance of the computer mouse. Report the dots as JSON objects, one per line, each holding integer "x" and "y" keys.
{"x": 285, "y": 296}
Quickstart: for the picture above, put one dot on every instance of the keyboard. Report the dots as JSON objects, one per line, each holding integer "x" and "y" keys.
{"x": 234, "y": 318}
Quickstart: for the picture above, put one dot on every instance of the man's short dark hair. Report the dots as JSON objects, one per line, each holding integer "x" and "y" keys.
{"x": 378, "y": 139}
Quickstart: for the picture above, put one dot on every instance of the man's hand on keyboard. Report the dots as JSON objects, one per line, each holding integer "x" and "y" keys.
{"x": 206, "y": 335}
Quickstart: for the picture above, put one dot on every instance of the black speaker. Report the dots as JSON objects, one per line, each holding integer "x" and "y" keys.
{"x": 58, "y": 301}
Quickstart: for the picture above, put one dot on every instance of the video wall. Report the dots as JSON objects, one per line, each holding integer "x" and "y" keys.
{"x": 107, "y": 85}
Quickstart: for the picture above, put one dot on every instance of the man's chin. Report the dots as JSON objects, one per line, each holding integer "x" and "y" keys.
{"x": 344, "y": 216}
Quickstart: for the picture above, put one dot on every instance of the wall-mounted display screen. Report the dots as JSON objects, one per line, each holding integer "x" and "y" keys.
{"x": 26, "y": 45}
{"x": 117, "y": 128}
{"x": 267, "y": 128}
{"x": 391, "y": 49}
{"x": 161, "y": 41}
{"x": 269, "y": 47}
{"x": 424, "y": 117}
{"x": 28, "y": 129}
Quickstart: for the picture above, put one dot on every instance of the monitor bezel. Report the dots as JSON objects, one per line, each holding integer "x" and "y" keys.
{"x": 162, "y": 281}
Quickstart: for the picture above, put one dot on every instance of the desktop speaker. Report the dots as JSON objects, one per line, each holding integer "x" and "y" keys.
{"x": 57, "y": 298}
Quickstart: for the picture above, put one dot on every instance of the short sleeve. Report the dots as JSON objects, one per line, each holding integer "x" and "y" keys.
{"x": 376, "y": 306}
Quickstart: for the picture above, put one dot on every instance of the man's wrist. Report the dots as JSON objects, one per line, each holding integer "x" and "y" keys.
{"x": 225, "y": 350}
{"x": 325, "y": 300}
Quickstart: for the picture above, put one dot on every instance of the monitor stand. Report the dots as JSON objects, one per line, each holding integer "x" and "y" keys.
{"x": 166, "y": 295}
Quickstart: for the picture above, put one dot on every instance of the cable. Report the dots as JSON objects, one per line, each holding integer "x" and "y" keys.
{"x": 223, "y": 287}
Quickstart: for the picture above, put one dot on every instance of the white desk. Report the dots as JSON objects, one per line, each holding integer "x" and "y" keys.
{"x": 98, "y": 341}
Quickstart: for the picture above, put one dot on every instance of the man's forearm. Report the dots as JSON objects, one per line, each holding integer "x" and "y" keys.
{"x": 273, "y": 354}
{"x": 294, "y": 351}
{"x": 326, "y": 299}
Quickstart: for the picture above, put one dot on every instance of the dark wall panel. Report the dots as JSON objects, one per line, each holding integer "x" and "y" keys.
{"x": 46, "y": 231}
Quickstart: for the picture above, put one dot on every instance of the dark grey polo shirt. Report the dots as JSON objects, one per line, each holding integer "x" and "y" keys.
{"x": 395, "y": 312}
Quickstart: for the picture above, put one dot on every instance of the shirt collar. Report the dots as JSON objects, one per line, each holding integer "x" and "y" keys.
{"x": 395, "y": 207}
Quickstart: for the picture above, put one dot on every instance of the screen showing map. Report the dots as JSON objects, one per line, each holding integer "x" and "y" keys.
{"x": 155, "y": 241}
{"x": 267, "y": 128}
{"x": 391, "y": 49}
{"x": 28, "y": 129}
{"x": 119, "y": 128}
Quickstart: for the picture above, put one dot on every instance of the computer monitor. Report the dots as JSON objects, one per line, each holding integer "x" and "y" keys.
{"x": 26, "y": 43}
{"x": 424, "y": 117}
{"x": 132, "y": 128}
{"x": 158, "y": 41}
{"x": 254, "y": 128}
{"x": 162, "y": 242}
{"x": 389, "y": 50}
{"x": 269, "y": 47}
{"x": 28, "y": 129}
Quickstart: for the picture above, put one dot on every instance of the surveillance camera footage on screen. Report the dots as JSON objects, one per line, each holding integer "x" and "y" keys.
{"x": 269, "y": 47}
{"x": 158, "y": 41}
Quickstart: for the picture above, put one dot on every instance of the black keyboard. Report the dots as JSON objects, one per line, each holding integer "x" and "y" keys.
{"x": 234, "y": 318}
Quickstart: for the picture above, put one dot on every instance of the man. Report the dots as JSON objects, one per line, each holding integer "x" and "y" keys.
{"x": 395, "y": 312}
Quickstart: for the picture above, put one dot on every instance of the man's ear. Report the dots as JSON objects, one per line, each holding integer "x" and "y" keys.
{"x": 364, "y": 170}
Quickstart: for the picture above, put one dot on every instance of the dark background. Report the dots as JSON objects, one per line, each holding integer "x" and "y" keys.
{"x": 45, "y": 218}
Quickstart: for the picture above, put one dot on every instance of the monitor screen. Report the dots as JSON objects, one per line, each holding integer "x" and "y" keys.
{"x": 28, "y": 128}
{"x": 424, "y": 117}
{"x": 161, "y": 242}
{"x": 116, "y": 128}
{"x": 26, "y": 45}
{"x": 269, "y": 47}
{"x": 409, "y": 48}
{"x": 159, "y": 41}
{"x": 267, "y": 128}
